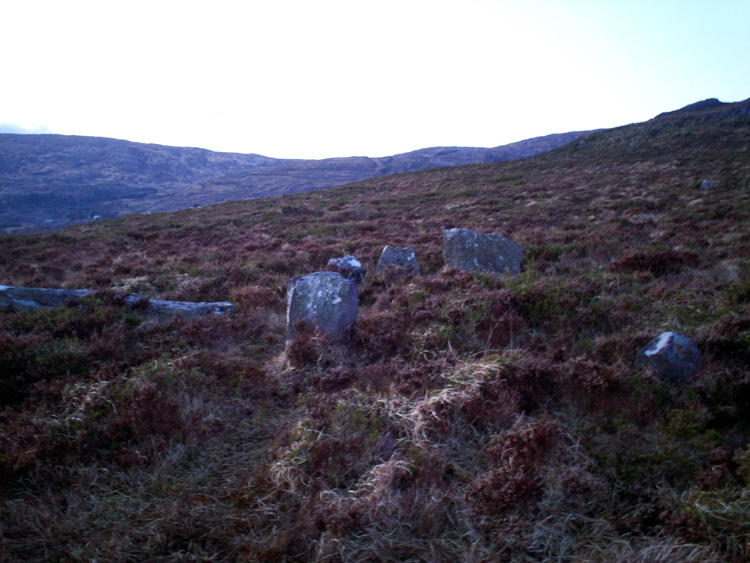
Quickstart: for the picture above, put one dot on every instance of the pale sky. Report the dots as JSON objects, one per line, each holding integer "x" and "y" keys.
{"x": 325, "y": 78}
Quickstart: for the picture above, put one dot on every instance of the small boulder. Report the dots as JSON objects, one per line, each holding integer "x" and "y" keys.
{"x": 399, "y": 257}
{"x": 671, "y": 356}
{"x": 470, "y": 251}
{"x": 349, "y": 267}
{"x": 325, "y": 302}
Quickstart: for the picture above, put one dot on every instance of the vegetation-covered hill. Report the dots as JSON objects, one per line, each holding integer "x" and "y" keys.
{"x": 471, "y": 418}
{"x": 52, "y": 181}
{"x": 306, "y": 175}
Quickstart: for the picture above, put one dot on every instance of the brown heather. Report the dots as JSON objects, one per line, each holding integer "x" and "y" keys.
{"x": 470, "y": 418}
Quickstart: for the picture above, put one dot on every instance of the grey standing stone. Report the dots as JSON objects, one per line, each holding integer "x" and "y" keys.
{"x": 399, "y": 257}
{"x": 672, "y": 356}
{"x": 349, "y": 267}
{"x": 326, "y": 302}
{"x": 470, "y": 251}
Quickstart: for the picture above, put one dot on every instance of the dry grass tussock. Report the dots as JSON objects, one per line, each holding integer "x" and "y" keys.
{"x": 470, "y": 417}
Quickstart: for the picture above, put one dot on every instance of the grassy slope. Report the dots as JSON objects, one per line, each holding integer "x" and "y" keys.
{"x": 471, "y": 418}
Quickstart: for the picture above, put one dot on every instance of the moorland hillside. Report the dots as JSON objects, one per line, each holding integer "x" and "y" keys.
{"x": 471, "y": 417}
{"x": 52, "y": 181}
{"x": 306, "y": 175}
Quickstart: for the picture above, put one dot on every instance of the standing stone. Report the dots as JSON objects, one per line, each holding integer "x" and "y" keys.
{"x": 399, "y": 257}
{"x": 324, "y": 301}
{"x": 672, "y": 356}
{"x": 349, "y": 267}
{"x": 470, "y": 251}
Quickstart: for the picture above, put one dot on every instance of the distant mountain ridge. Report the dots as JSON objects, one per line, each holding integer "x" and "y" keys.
{"x": 52, "y": 181}
{"x": 708, "y": 104}
{"x": 305, "y": 175}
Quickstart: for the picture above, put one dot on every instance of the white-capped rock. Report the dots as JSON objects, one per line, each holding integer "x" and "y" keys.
{"x": 671, "y": 356}
{"x": 349, "y": 267}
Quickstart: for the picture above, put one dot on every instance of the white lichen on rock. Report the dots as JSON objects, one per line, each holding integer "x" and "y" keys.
{"x": 321, "y": 302}
{"x": 471, "y": 251}
{"x": 400, "y": 258}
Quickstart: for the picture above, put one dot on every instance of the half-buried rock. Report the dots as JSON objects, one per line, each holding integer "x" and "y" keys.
{"x": 399, "y": 257}
{"x": 31, "y": 298}
{"x": 349, "y": 267}
{"x": 470, "y": 251}
{"x": 322, "y": 302}
{"x": 671, "y": 356}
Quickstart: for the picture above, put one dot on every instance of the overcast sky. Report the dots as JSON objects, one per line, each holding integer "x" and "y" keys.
{"x": 323, "y": 78}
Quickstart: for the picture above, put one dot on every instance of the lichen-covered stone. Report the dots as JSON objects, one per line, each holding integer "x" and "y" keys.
{"x": 349, "y": 267}
{"x": 470, "y": 251}
{"x": 671, "y": 356}
{"x": 322, "y": 302}
{"x": 399, "y": 257}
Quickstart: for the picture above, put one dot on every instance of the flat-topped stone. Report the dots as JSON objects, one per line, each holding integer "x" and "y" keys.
{"x": 471, "y": 251}
{"x": 321, "y": 302}
{"x": 161, "y": 310}
{"x": 30, "y": 298}
{"x": 671, "y": 356}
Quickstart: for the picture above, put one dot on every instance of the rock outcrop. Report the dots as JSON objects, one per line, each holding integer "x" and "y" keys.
{"x": 349, "y": 267}
{"x": 399, "y": 257}
{"x": 30, "y": 298}
{"x": 322, "y": 302}
{"x": 470, "y": 251}
{"x": 671, "y": 356}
